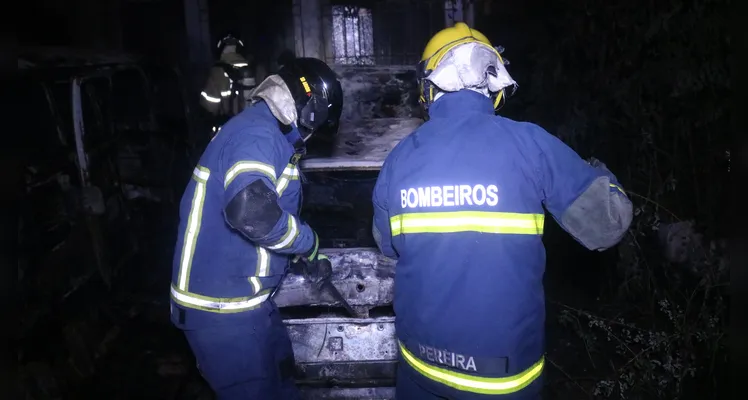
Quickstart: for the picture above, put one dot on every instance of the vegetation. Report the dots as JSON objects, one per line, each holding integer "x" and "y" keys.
{"x": 643, "y": 86}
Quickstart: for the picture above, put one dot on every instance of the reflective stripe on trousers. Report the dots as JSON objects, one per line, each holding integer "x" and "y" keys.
{"x": 471, "y": 383}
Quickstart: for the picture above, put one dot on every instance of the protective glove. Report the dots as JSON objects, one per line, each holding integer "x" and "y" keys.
{"x": 319, "y": 270}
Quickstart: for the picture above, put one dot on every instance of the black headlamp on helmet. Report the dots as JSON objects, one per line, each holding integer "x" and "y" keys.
{"x": 317, "y": 93}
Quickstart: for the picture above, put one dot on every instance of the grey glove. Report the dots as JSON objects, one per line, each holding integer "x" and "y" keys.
{"x": 319, "y": 270}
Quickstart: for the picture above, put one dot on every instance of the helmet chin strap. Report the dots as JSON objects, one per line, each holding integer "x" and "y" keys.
{"x": 295, "y": 138}
{"x": 303, "y": 137}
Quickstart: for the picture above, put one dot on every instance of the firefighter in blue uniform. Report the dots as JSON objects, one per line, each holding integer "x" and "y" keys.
{"x": 239, "y": 228}
{"x": 459, "y": 204}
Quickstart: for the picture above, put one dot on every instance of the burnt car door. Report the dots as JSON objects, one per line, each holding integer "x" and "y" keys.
{"x": 51, "y": 231}
{"x": 97, "y": 143}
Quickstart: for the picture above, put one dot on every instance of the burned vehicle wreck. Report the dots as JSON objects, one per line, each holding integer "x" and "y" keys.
{"x": 105, "y": 147}
{"x": 340, "y": 355}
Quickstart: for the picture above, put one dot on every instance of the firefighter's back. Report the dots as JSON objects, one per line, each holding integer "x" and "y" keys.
{"x": 466, "y": 220}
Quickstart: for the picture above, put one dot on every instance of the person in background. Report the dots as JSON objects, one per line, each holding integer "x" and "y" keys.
{"x": 459, "y": 204}
{"x": 229, "y": 83}
{"x": 239, "y": 229}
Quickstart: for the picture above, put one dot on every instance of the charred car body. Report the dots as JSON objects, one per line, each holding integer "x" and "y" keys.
{"x": 337, "y": 355}
{"x": 104, "y": 147}
{"x": 111, "y": 149}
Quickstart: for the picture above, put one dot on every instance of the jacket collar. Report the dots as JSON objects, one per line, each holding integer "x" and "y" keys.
{"x": 261, "y": 111}
{"x": 461, "y": 102}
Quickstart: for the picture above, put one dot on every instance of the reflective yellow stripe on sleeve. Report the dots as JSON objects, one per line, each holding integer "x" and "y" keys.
{"x": 474, "y": 384}
{"x": 200, "y": 175}
{"x": 290, "y": 173}
{"x": 620, "y": 189}
{"x": 290, "y": 236}
{"x": 180, "y": 291}
{"x": 249, "y": 166}
{"x": 263, "y": 268}
{"x": 468, "y": 221}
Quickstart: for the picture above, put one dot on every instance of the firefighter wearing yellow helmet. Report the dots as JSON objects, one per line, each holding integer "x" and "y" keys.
{"x": 459, "y": 57}
{"x": 459, "y": 204}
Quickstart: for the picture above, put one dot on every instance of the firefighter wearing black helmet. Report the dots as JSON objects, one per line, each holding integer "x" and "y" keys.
{"x": 240, "y": 227}
{"x": 229, "y": 82}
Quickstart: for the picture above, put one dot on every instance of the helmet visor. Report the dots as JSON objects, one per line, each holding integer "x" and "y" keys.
{"x": 313, "y": 115}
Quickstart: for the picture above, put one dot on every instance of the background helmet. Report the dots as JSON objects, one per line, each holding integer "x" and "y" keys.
{"x": 438, "y": 46}
{"x": 230, "y": 40}
{"x": 317, "y": 92}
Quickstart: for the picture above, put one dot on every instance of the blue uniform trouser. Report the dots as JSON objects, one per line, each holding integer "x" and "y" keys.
{"x": 410, "y": 385}
{"x": 248, "y": 361}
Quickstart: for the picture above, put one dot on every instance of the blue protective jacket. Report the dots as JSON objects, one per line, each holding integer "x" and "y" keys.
{"x": 459, "y": 204}
{"x": 219, "y": 275}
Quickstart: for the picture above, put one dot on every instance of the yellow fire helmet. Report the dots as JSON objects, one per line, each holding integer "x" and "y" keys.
{"x": 438, "y": 46}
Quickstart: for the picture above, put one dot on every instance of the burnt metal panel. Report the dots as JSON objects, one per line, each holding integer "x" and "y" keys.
{"x": 343, "y": 393}
{"x": 352, "y": 352}
{"x": 347, "y": 351}
{"x": 39, "y": 57}
{"x": 363, "y": 145}
{"x": 362, "y": 275}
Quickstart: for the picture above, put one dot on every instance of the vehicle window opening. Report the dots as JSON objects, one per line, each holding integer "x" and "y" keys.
{"x": 338, "y": 205}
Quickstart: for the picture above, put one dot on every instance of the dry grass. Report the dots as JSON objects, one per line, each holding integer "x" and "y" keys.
{"x": 643, "y": 86}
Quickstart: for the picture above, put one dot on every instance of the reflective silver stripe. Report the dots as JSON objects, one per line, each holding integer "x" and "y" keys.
{"x": 226, "y": 93}
{"x": 620, "y": 189}
{"x": 216, "y": 304}
{"x": 248, "y": 166}
{"x": 467, "y": 221}
{"x": 291, "y": 172}
{"x": 474, "y": 384}
{"x": 239, "y": 65}
{"x": 263, "y": 268}
{"x": 289, "y": 237}
{"x": 210, "y": 98}
{"x": 200, "y": 175}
